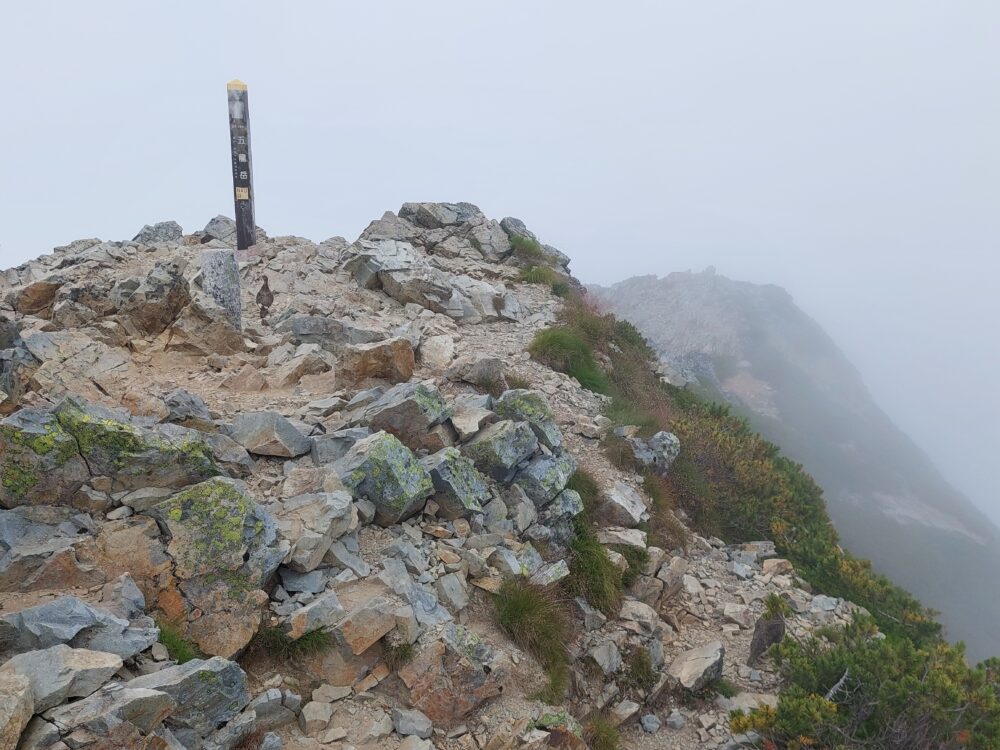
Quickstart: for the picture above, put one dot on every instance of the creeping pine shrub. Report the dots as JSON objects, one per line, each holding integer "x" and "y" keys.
{"x": 179, "y": 648}
{"x": 877, "y": 692}
{"x": 592, "y": 575}
{"x": 535, "y": 618}
{"x": 601, "y": 734}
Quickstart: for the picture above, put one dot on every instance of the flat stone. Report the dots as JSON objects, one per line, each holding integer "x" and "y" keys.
{"x": 408, "y": 722}
{"x": 697, "y": 667}
{"x": 59, "y": 672}
{"x": 267, "y": 433}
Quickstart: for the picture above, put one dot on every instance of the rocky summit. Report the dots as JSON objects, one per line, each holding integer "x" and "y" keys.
{"x": 271, "y": 498}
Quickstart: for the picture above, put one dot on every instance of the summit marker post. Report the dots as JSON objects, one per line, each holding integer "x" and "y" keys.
{"x": 239, "y": 138}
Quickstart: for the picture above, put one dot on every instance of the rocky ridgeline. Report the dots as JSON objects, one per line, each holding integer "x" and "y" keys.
{"x": 237, "y": 450}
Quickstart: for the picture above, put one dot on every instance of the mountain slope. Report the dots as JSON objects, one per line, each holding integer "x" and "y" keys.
{"x": 752, "y": 346}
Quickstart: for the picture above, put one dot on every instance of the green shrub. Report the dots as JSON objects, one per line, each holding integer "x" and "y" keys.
{"x": 538, "y": 275}
{"x": 273, "y": 642}
{"x": 527, "y": 249}
{"x": 601, "y": 734}
{"x": 536, "y": 619}
{"x": 560, "y": 288}
{"x": 179, "y": 648}
{"x": 566, "y": 351}
{"x": 775, "y": 605}
{"x": 592, "y": 575}
{"x": 584, "y": 483}
{"x": 865, "y": 691}
{"x": 725, "y": 688}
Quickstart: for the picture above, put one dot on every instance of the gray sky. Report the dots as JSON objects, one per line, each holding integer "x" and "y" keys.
{"x": 848, "y": 151}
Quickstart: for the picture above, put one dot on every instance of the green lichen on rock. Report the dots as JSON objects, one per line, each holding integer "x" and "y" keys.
{"x": 166, "y": 455}
{"x": 17, "y": 479}
{"x": 531, "y": 407}
{"x": 460, "y": 490}
{"x": 39, "y": 461}
{"x": 500, "y": 447}
{"x": 384, "y": 471}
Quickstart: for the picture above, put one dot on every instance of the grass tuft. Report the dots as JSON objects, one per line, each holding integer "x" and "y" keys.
{"x": 272, "y": 641}
{"x": 564, "y": 350}
{"x": 179, "y": 648}
{"x": 584, "y": 483}
{"x": 636, "y": 557}
{"x": 397, "y": 653}
{"x": 527, "y": 249}
{"x": 602, "y": 734}
{"x": 536, "y": 620}
{"x": 639, "y": 672}
{"x": 592, "y": 575}
{"x": 516, "y": 382}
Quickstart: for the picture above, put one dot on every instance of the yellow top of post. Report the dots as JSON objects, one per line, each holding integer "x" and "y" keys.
{"x": 237, "y": 85}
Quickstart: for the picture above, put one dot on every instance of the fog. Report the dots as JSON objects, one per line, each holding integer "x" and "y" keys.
{"x": 848, "y": 151}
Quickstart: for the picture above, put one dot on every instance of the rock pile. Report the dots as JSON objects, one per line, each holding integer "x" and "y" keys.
{"x": 218, "y": 529}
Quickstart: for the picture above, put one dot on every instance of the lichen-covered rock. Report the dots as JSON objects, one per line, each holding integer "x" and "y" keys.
{"x": 224, "y": 547}
{"x": 219, "y": 277}
{"x": 105, "y": 712}
{"x": 208, "y": 693}
{"x": 60, "y": 672}
{"x": 533, "y": 408}
{"x": 500, "y": 447}
{"x": 161, "y": 231}
{"x": 267, "y": 433}
{"x": 39, "y": 460}
{"x": 382, "y": 470}
{"x": 460, "y": 490}
{"x": 311, "y": 523}
{"x": 48, "y": 455}
{"x": 409, "y": 411}
{"x": 545, "y": 477}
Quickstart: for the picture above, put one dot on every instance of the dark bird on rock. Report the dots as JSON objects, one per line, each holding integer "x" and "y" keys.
{"x": 265, "y": 298}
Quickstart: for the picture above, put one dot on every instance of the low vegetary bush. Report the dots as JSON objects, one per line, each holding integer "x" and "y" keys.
{"x": 527, "y": 249}
{"x": 584, "y": 483}
{"x": 869, "y": 691}
{"x": 397, "y": 652}
{"x": 566, "y": 351}
{"x": 639, "y": 670}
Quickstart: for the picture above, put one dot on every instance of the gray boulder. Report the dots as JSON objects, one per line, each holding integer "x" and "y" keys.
{"x": 156, "y": 301}
{"x": 697, "y": 667}
{"x": 382, "y": 470}
{"x": 334, "y": 445}
{"x": 267, "y": 433}
{"x": 311, "y": 523}
{"x": 162, "y": 231}
{"x": 409, "y": 411}
{"x": 409, "y": 722}
{"x": 60, "y": 672}
{"x": 219, "y": 278}
{"x": 623, "y": 506}
{"x": 185, "y": 407}
{"x": 545, "y": 477}
{"x": 71, "y": 621}
{"x": 533, "y": 408}
{"x": 460, "y": 490}
{"x": 500, "y": 447}
{"x": 97, "y": 715}
{"x": 208, "y": 693}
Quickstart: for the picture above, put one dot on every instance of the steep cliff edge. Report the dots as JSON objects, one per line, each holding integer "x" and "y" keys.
{"x": 753, "y": 347}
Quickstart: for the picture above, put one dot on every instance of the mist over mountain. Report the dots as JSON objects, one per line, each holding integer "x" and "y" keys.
{"x": 751, "y": 346}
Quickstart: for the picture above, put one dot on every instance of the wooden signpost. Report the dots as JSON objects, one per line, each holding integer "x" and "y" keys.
{"x": 239, "y": 137}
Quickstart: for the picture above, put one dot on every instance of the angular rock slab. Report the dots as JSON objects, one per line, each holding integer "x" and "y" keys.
{"x": 208, "y": 693}
{"x": 459, "y": 489}
{"x": 500, "y": 447}
{"x": 224, "y": 547}
{"x": 382, "y": 470}
{"x": 523, "y": 405}
{"x": 409, "y": 411}
{"x": 111, "y": 706}
{"x": 60, "y": 672}
{"x": 623, "y": 506}
{"x": 267, "y": 433}
{"x": 697, "y": 667}
{"x": 453, "y": 676}
{"x": 545, "y": 477}
{"x": 311, "y": 523}
{"x": 71, "y": 621}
